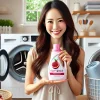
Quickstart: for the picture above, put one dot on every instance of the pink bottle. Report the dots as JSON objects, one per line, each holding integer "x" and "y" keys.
{"x": 57, "y": 68}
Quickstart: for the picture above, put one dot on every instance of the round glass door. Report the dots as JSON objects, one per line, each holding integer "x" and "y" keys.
{"x": 4, "y": 64}
{"x": 17, "y": 62}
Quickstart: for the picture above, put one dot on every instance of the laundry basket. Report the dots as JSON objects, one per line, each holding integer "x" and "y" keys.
{"x": 93, "y": 88}
{"x": 7, "y": 95}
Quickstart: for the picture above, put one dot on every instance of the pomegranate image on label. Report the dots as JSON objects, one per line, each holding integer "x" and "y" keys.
{"x": 55, "y": 64}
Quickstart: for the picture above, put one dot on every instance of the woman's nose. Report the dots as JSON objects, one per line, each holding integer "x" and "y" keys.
{"x": 55, "y": 25}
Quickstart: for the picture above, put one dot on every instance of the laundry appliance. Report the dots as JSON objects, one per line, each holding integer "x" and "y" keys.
{"x": 91, "y": 47}
{"x": 17, "y": 47}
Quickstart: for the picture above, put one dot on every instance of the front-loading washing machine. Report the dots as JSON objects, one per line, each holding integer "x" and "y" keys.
{"x": 91, "y": 47}
{"x": 17, "y": 47}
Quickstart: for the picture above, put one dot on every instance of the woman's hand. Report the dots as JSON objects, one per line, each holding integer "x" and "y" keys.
{"x": 45, "y": 81}
{"x": 65, "y": 57}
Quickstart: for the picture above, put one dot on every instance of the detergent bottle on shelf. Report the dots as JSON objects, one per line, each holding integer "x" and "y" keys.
{"x": 57, "y": 69}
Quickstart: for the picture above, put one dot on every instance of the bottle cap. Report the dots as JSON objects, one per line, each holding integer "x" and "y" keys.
{"x": 56, "y": 47}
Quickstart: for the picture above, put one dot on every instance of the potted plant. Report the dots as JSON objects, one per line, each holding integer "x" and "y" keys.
{"x": 9, "y": 25}
{"x": 6, "y": 26}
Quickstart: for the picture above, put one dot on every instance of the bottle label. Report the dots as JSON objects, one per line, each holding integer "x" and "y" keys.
{"x": 56, "y": 66}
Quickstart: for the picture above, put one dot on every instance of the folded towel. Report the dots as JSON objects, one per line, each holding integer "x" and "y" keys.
{"x": 93, "y": 69}
{"x": 92, "y": 7}
{"x": 96, "y": 2}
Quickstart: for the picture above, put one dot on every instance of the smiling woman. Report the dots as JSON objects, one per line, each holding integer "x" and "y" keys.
{"x": 55, "y": 27}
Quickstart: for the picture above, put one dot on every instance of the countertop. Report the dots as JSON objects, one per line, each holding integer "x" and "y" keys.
{"x": 81, "y": 97}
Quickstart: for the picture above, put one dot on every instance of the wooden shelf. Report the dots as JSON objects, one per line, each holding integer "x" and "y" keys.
{"x": 85, "y": 12}
{"x": 86, "y": 37}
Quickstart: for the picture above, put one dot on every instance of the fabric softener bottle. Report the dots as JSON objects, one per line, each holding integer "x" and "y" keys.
{"x": 57, "y": 68}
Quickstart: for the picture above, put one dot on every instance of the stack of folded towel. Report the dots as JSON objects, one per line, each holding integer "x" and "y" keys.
{"x": 93, "y": 70}
{"x": 92, "y": 5}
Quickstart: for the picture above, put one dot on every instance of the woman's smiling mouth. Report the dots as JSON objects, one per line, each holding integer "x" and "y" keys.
{"x": 56, "y": 32}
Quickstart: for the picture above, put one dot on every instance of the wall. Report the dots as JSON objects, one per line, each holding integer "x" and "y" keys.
{"x": 15, "y": 9}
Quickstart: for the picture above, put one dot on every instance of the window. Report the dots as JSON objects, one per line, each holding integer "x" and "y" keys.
{"x": 32, "y": 10}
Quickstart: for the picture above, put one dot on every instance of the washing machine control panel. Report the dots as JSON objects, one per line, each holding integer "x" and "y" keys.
{"x": 25, "y": 38}
{"x": 29, "y": 38}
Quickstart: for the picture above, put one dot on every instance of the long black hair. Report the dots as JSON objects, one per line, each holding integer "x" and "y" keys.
{"x": 43, "y": 41}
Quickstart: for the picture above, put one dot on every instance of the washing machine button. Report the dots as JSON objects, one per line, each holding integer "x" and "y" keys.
{"x": 25, "y": 38}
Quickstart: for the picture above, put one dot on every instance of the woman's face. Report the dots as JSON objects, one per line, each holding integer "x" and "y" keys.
{"x": 54, "y": 23}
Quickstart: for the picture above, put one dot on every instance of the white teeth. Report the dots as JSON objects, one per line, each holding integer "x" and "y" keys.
{"x": 56, "y": 32}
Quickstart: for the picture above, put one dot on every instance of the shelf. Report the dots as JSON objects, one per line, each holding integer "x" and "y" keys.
{"x": 86, "y": 37}
{"x": 85, "y": 12}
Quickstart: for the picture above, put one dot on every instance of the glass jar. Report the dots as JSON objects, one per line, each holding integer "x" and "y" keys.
{"x": 76, "y": 6}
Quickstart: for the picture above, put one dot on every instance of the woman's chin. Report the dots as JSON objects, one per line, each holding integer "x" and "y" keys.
{"x": 56, "y": 36}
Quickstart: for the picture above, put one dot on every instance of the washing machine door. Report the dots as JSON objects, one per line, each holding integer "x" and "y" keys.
{"x": 17, "y": 62}
{"x": 4, "y": 64}
{"x": 95, "y": 56}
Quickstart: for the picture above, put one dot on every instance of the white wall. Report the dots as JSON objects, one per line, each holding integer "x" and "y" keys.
{"x": 15, "y": 14}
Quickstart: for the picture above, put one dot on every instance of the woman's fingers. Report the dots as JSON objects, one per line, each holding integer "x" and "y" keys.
{"x": 46, "y": 81}
{"x": 59, "y": 81}
{"x": 55, "y": 82}
{"x": 64, "y": 53}
{"x": 65, "y": 57}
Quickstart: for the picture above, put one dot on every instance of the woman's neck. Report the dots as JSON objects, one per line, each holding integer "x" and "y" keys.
{"x": 56, "y": 41}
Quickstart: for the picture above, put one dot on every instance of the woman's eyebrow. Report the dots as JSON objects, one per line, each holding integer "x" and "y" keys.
{"x": 60, "y": 18}
{"x": 49, "y": 19}
{"x": 52, "y": 19}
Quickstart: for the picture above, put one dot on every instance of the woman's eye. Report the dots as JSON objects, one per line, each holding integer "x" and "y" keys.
{"x": 60, "y": 20}
{"x": 49, "y": 21}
